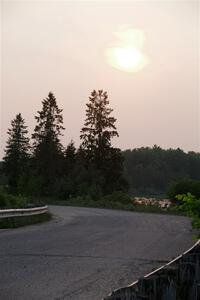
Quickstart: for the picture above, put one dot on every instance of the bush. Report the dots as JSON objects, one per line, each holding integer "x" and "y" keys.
{"x": 117, "y": 196}
{"x": 15, "y": 222}
{"x": 10, "y": 201}
{"x": 191, "y": 206}
{"x": 116, "y": 199}
{"x": 184, "y": 187}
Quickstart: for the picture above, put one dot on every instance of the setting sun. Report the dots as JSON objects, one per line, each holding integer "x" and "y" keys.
{"x": 128, "y": 59}
{"x": 127, "y": 53}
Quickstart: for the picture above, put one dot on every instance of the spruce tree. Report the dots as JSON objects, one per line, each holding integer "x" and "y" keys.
{"x": 16, "y": 152}
{"x": 96, "y": 136}
{"x": 99, "y": 127}
{"x": 65, "y": 186}
{"x": 70, "y": 157}
{"x": 48, "y": 150}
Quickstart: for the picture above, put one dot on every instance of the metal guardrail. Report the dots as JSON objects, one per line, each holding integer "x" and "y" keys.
{"x": 182, "y": 273}
{"x": 22, "y": 212}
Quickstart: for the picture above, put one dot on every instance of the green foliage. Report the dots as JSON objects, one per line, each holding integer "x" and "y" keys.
{"x": 118, "y": 196}
{"x": 184, "y": 187}
{"x": 3, "y": 177}
{"x": 17, "y": 152}
{"x": 64, "y": 187}
{"x": 109, "y": 201}
{"x": 99, "y": 127}
{"x": 70, "y": 156}
{"x": 153, "y": 170}
{"x": 35, "y": 185}
{"x": 96, "y": 135}
{"x": 116, "y": 200}
{"x": 49, "y": 125}
{"x": 191, "y": 206}
{"x": 3, "y": 199}
{"x": 11, "y": 201}
{"x": 15, "y": 222}
{"x": 196, "y": 223}
{"x": 96, "y": 169}
{"x": 48, "y": 154}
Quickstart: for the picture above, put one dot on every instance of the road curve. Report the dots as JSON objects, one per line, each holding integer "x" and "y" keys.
{"x": 84, "y": 253}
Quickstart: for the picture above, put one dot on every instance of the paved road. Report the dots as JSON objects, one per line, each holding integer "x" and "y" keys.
{"x": 83, "y": 253}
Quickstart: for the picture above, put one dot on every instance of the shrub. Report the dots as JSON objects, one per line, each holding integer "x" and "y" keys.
{"x": 10, "y": 201}
{"x": 191, "y": 206}
{"x": 118, "y": 196}
{"x": 184, "y": 187}
{"x": 15, "y": 222}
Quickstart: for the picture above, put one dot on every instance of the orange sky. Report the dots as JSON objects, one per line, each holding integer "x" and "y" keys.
{"x": 61, "y": 46}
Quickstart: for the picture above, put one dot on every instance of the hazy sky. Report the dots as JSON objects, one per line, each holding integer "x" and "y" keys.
{"x": 63, "y": 46}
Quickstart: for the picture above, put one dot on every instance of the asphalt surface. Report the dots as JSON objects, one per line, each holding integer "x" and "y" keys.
{"x": 84, "y": 253}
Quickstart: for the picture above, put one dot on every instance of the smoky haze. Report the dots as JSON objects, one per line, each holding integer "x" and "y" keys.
{"x": 60, "y": 47}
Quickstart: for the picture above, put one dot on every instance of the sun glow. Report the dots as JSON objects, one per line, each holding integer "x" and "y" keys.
{"x": 127, "y": 54}
{"x": 128, "y": 59}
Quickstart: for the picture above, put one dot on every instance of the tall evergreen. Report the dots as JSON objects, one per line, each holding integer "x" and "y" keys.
{"x": 96, "y": 135}
{"x": 16, "y": 152}
{"x": 99, "y": 127}
{"x": 48, "y": 150}
{"x": 70, "y": 156}
{"x": 65, "y": 185}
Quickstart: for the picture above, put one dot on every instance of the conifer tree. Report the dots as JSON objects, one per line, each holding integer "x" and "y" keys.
{"x": 70, "y": 156}
{"x": 99, "y": 127}
{"x": 65, "y": 185}
{"x": 48, "y": 150}
{"x": 96, "y": 136}
{"x": 17, "y": 151}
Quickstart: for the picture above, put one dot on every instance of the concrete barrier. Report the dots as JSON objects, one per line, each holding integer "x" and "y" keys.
{"x": 177, "y": 280}
{"x": 20, "y": 212}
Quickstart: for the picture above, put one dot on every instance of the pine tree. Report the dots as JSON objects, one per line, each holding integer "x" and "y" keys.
{"x": 99, "y": 127}
{"x": 65, "y": 185}
{"x": 70, "y": 156}
{"x": 96, "y": 136}
{"x": 16, "y": 152}
{"x": 48, "y": 150}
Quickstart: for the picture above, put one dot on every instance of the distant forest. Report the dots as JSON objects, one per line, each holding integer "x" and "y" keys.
{"x": 42, "y": 166}
{"x": 151, "y": 171}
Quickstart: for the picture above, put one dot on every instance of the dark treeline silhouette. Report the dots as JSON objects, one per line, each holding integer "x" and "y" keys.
{"x": 42, "y": 166}
{"x": 46, "y": 168}
{"x": 151, "y": 171}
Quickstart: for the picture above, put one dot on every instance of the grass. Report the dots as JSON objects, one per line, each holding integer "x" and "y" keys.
{"x": 15, "y": 222}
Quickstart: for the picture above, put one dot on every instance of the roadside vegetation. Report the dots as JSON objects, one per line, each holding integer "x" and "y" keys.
{"x": 190, "y": 205}
{"x": 185, "y": 195}
{"x": 116, "y": 200}
{"x": 95, "y": 174}
{"x": 184, "y": 187}
{"x": 9, "y": 201}
{"x": 16, "y": 222}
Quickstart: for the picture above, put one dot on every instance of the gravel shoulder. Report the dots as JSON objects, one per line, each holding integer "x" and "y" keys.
{"x": 84, "y": 253}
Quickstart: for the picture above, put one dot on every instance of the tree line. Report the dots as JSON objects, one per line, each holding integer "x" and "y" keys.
{"x": 152, "y": 171}
{"x": 42, "y": 166}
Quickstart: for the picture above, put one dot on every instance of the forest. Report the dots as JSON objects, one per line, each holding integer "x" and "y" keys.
{"x": 42, "y": 166}
{"x": 151, "y": 171}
